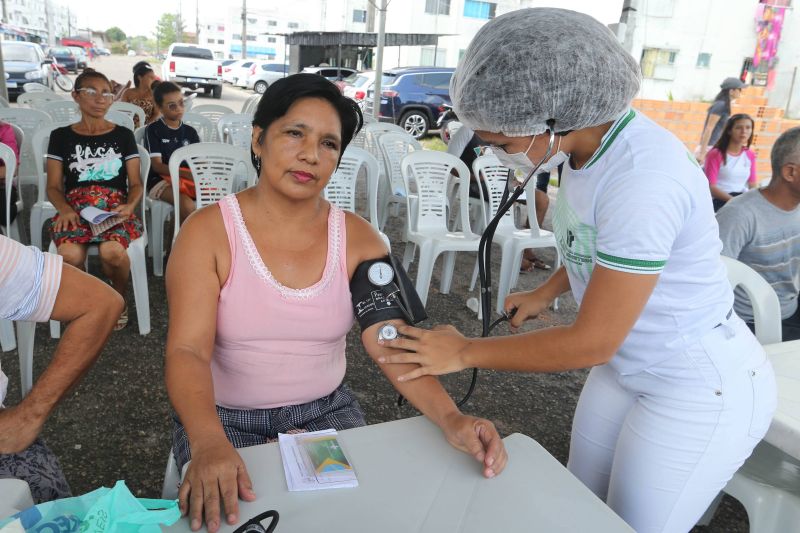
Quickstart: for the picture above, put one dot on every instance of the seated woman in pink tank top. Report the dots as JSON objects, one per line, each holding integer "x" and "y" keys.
{"x": 260, "y": 306}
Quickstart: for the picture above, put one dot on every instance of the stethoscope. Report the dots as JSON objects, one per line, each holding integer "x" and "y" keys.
{"x": 484, "y": 258}
{"x": 254, "y": 524}
{"x": 485, "y": 249}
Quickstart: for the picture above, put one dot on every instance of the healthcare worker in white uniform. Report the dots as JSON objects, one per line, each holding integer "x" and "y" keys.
{"x": 680, "y": 391}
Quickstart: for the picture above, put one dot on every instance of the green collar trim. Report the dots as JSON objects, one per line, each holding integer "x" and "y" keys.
{"x": 609, "y": 137}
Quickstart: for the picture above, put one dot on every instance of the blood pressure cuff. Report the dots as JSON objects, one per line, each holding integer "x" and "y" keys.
{"x": 398, "y": 299}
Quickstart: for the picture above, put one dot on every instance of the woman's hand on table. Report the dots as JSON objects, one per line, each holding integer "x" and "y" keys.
{"x": 479, "y": 438}
{"x": 216, "y": 473}
{"x": 68, "y": 220}
{"x": 437, "y": 351}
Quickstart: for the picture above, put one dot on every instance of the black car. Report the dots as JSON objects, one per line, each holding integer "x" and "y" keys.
{"x": 412, "y": 97}
{"x": 25, "y": 62}
{"x": 65, "y": 57}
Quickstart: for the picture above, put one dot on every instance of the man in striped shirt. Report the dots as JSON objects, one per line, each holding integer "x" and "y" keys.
{"x": 761, "y": 228}
{"x": 36, "y": 286}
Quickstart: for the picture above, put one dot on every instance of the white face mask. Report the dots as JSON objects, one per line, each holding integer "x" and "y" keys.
{"x": 521, "y": 164}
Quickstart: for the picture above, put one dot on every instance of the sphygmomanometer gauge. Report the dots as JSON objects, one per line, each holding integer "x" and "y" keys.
{"x": 380, "y": 273}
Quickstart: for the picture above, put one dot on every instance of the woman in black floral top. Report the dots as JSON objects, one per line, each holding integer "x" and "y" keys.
{"x": 95, "y": 163}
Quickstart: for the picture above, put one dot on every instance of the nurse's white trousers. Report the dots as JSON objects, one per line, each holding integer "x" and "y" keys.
{"x": 659, "y": 445}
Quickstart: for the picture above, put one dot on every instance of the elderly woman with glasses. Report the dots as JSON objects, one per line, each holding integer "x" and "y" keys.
{"x": 161, "y": 139}
{"x": 95, "y": 163}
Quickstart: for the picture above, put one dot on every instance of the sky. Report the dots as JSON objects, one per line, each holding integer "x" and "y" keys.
{"x": 142, "y": 20}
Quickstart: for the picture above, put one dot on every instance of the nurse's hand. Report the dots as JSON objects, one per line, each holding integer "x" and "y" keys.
{"x": 525, "y": 306}
{"x": 437, "y": 351}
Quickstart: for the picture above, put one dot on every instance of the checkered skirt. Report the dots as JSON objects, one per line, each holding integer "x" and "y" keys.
{"x": 249, "y": 427}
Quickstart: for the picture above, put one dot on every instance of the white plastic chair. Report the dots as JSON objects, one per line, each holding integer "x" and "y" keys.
{"x": 119, "y": 118}
{"x": 766, "y": 307}
{"x": 426, "y": 175}
{"x": 359, "y": 140}
{"x": 7, "y": 339}
{"x": 341, "y": 188}
{"x": 216, "y": 169}
{"x": 138, "y": 258}
{"x": 16, "y": 496}
{"x": 131, "y": 110}
{"x": 43, "y": 209}
{"x": 10, "y": 160}
{"x": 138, "y": 135}
{"x": 236, "y": 129}
{"x": 768, "y": 483}
{"x": 37, "y": 99}
{"x": 512, "y": 240}
{"x": 34, "y": 87}
{"x": 393, "y": 146}
{"x": 250, "y": 105}
{"x": 26, "y": 333}
{"x": 172, "y": 478}
{"x": 212, "y": 112}
{"x": 29, "y": 120}
{"x": 203, "y": 125}
{"x": 63, "y": 112}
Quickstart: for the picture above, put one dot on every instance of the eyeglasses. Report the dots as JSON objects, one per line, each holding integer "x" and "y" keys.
{"x": 93, "y": 93}
{"x": 173, "y": 106}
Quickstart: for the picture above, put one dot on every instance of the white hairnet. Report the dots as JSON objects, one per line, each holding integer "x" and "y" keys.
{"x": 531, "y": 65}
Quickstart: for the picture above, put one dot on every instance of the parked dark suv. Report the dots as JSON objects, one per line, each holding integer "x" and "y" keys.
{"x": 65, "y": 57}
{"x": 411, "y": 97}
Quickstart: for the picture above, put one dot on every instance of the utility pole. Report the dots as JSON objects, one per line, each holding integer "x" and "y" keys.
{"x": 48, "y": 20}
{"x": 3, "y": 88}
{"x": 376, "y": 104}
{"x": 69, "y": 22}
{"x": 197, "y": 21}
{"x": 179, "y": 23}
{"x": 244, "y": 29}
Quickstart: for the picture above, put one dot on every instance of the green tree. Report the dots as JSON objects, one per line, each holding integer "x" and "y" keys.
{"x": 115, "y": 35}
{"x": 169, "y": 30}
{"x": 119, "y": 48}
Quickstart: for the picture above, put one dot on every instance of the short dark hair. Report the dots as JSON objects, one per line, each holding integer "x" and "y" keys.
{"x": 785, "y": 150}
{"x": 281, "y": 94}
{"x": 87, "y": 74}
{"x": 161, "y": 89}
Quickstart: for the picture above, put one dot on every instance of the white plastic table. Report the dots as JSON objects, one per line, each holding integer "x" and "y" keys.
{"x": 411, "y": 480}
{"x": 784, "y": 433}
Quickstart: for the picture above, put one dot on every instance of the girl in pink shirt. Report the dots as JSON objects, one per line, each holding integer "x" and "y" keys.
{"x": 731, "y": 166}
{"x": 259, "y": 297}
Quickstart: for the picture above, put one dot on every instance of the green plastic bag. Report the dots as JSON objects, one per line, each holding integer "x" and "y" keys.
{"x": 104, "y": 510}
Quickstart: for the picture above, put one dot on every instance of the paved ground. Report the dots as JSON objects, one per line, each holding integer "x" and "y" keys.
{"x": 116, "y": 424}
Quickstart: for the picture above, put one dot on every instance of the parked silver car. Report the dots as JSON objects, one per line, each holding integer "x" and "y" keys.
{"x": 265, "y": 75}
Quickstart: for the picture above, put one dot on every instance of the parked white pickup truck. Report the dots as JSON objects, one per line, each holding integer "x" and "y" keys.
{"x": 194, "y": 67}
